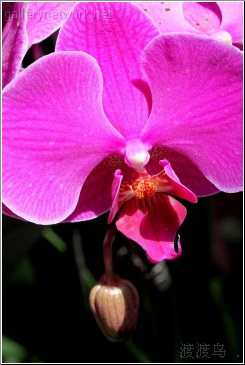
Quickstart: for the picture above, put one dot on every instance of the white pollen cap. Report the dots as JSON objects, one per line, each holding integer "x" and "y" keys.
{"x": 139, "y": 159}
{"x": 137, "y": 155}
{"x": 223, "y": 36}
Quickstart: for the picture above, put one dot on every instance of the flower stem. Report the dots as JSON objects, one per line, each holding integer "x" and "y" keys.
{"x": 107, "y": 251}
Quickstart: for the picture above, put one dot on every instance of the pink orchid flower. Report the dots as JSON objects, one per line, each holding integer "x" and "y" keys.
{"x": 27, "y": 24}
{"x": 222, "y": 20}
{"x": 112, "y": 128}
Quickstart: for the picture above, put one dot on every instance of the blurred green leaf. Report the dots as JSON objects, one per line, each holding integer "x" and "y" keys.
{"x": 12, "y": 351}
{"x": 137, "y": 352}
{"x": 54, "y": 239}
{"x": 228, "y": 323}
{"x": 17, "y": 239}
{"x": 24, "y": 273}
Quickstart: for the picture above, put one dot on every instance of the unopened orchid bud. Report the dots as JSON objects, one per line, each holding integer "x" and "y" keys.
{"x": 115, "y": 308}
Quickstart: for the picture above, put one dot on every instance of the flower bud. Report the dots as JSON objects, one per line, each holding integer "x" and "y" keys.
{"x": 115, "y": 308}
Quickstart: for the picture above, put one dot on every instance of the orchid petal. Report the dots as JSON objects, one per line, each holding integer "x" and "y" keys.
{"x": 153, "y": 223}
{"x": 232, "y": 20}
{"x": 50, "y": 114}
{"x": 15, "y": 43}
{"x": 115, "y": 34}
{"x": 205, "y": 17}
{"x": 115, "y": 192}
{"x": 120, "y": 193}
{"x": 222, "y": 20}
{"x": 168, "y": 16}
{"x": 174, "y": 185}
{"x": 30, "y": 23}
{"x": 186, "y": 170}
{"x": 7, "y": 8}
{"x": 96, "y": 196}
{"x": 44, "y": 18}
{"x": 197, "y": 104}
{"x": 7, "y": 211}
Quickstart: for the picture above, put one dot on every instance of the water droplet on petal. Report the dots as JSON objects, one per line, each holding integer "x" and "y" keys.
{"x": 51, "y": 143}
{"x": 30, "y": 185}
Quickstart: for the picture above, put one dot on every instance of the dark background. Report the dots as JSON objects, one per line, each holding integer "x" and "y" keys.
{"x": 189, "y": 307}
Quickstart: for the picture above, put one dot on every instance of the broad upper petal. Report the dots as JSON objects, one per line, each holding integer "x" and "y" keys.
{"x": 197, "y": 104}
{"x": 54, "y": 134}
{"x": 153, "y": 224}
{"x": 115, "y": 34}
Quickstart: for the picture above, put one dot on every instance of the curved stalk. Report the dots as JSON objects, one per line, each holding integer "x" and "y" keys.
{"x": 107, "y": 252}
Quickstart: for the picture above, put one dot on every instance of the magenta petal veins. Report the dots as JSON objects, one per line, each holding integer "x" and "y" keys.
{"x": 221, "y": 20}
{"x": 58, "y": 142}
{"x": 116, "y": 41}
{"x": 15, "y": 44}
{"x": 49, "y": 111}
{"x": 30, "y": 23}
{"x": 197, "y": 104}
{"x": 45, "y": 18}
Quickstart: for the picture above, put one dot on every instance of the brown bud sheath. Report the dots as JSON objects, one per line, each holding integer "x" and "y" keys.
{"x": 115, "y": 308}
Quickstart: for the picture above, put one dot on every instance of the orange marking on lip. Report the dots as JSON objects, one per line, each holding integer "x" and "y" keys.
{"x": 144, "y": 188}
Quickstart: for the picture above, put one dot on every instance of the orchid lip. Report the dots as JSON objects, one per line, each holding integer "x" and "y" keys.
{"x": 148, "y": 211}
{"x": 143, "y": 186}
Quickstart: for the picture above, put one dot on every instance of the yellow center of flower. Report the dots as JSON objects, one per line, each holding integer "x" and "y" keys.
{"x": 144, "y": 188}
